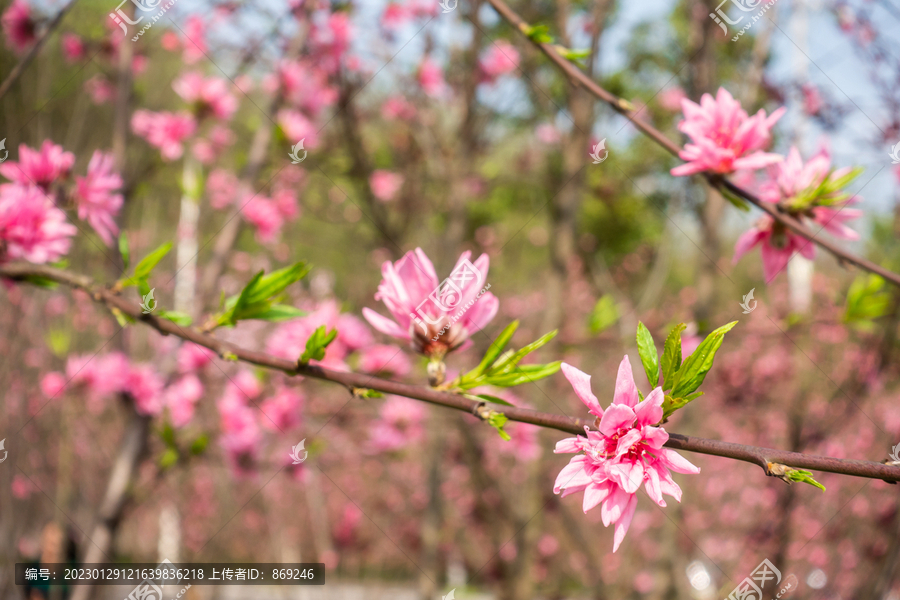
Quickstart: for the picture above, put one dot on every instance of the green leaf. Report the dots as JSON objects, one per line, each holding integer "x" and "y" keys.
{"x": 496, "y": 348}
{"x": 571, "y": 54}
{"x": 649, "y": 355}
{"x": 493, "y": 399}
{"x": 143, "y": 269}
{"x": 259, "y": 298}
{"x": 671, "y": 358}
{"x": 499, "y": 368}
{"x": 123, "y": 249}
{"x": 59, "y": 341}
{"x": 692, "y": 373}
{"x": 367, "y": 393}
{"x": 538, "y": 33}
{"x": 168, "y": 458}
{"x": 167, "y": 434}
{"x": 41, "y": 281}
{"x": 278, "y": 312}
{"x": 735, "y": 200}
{"x": 604, "y": 315}
{"x": 316, "y": 344}
{"x": 179, "y": 318}
{"x": 670, "y": 404}
{"x": 867, "y": 300}
{"x": 804, "y": 477}
{"x": 198, "y": 446}
{"x": 497, "y": 420}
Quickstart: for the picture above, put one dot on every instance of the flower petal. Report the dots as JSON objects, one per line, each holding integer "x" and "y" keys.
{"x": 626, "y": 392}
{"x": 581, "y": 383}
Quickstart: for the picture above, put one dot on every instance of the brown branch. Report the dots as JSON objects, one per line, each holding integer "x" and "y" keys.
{"x": 762, "y": 457}
{"x": 627, "y": 110}
{"x": 32, "y": 52}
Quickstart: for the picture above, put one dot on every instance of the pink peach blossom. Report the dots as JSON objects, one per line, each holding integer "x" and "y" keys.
{"x": 195, "y": 48}
{"x": 145, "y": 386}
{"x": 303, "y": 86}
{"x": 670, "y": 99}
{"x": 385, "y": 184}
{"x": 626, "y": 451}
{"x": 222, "y": 188}
{"x": 31, "y": 227}
{"x": 329, "y": 41}
{"x": 398, "y": 107}
{"x": 298, "y": 127}
{"x": 431, "y": 78}
{"x": 264, "y": 215}
{"x": 790, "y": 182}
{"x": 394, "y": 16}
{"x": 97, "y": 204}
{"x": 180, "y": 398}
{"x": 282, "y": 410}
{"x": 410, "y": 287}
{"x": 724, "y": 138}
{"x": 164, "y": 130}
{"x": 192, "y": 357}
{"x": 52, "y": 384}
{"x": 206, "y": 95}
{"x": 501, "y": 58}
{"x": 99, "y": 89}
{"x": 72, "y": 46}
{"x": 42, "y": 167}
{"x": 18, "y": 26}
{"x": 399, "y": 424}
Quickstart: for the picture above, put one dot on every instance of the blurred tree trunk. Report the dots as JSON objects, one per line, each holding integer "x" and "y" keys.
{"x": 432, "y": 520}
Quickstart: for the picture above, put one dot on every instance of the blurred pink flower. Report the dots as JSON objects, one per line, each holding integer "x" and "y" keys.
{"x": 264, "y": 215}
{"x": 394, "y": 16}
{"x": 411, "y": 283}
{"x": 164, "y": 130}
{"x": 724, "y": 138}
{"x": 812, "y": 99}
{"x": 431, "y": 77}
{"x": 195, "y": 47}
{"x": 282, "y": 410}
{"x": 547, "y": 134}
{"x": 792, "y": 181}
{"x": 670, "y": 99}
{"x": 99, "y": 89}
{"x": 384, "y": 358}
{"x": 612, "y": 463}
{"x": 52, "y": 384}
{"x": 385, "y": 184}
{"x": 285, "y": 201}
{"x": 398, "y": 107}
{"x": 180, "y": 398}
{"x": 192, "y": 357}
{"x": 298, "y": 127}
{"x": 31, "y": 227}
{"x": 39, "y": 167}
{"x": 145, "y": 385}
{"x": 222, "y": 188}
{"x": 18, "y": 26}
{"x": 399, "y": 424}
{"x": 241, "y": 437}
{"x": 206, "y": 95}
{"x": 97, "y": 204}
{"x": 501, "y": 58}
{"x": 289, "y": 340}
{"x": 21, "y": 487}
{"x": 72, "y": 46}
{"x": 303, "y": 86}
{"x": 330, "y": 40}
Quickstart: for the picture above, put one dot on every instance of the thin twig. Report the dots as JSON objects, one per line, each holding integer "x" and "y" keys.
{"x": 762, "y": 457}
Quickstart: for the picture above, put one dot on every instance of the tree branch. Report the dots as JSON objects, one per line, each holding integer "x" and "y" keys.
{"x": 627, "y": 110}
{"x": 766, "y": 458}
